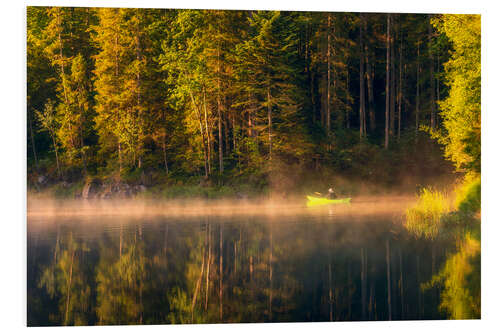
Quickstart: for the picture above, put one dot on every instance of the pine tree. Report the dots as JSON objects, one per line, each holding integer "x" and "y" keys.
{"x": 268, "y": 64}
{"x": 66, "y": 36}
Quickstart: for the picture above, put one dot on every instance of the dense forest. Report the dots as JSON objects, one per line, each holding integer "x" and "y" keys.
{"x": 218, "y": 103}
{"x": 250, "y": 99}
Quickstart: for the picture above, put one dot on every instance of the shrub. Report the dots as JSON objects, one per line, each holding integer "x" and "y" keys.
{"x": 468, "y": 195}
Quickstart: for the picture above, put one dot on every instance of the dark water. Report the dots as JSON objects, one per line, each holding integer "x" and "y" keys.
{"x": 309, "y": 267}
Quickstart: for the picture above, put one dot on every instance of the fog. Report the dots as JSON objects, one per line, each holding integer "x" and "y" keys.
{"x": 360, "y": 206}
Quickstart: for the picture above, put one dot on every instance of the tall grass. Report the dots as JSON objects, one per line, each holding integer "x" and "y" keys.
{"x": 424, "y": 219}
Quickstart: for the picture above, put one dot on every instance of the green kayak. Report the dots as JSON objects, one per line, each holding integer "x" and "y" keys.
{"x": 315, "y": 201}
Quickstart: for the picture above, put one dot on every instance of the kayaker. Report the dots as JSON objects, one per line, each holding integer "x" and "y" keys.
{"x": 331, "y": 194}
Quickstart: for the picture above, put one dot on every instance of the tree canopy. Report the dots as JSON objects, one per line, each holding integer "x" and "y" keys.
{"x": 181, "y": 94}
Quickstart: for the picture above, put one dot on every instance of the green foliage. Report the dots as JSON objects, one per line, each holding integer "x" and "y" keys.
{"x": 461, "y": 110}
{"x": 67, "y": 191}
{"x": 468, "y": 195}
{"x": 425, "y": 218}
{"x": 212, "y": 96}
{"x": 48, "y": 119}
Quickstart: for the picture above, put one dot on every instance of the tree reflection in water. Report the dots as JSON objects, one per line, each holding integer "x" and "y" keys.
{"x": 228, "y": 270}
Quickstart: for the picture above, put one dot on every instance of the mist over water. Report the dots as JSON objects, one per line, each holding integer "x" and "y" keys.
{"x": 199, "y": 207}
{"x": 140, "y": 262}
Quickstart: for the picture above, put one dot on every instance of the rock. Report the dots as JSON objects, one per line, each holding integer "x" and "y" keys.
{"x": 106, "y": 195}
{"x": 91, "y": 189}
{"x": 106, "y": 192}
{"x": 241, "y": 195}
{"x": 42, "y": 179}
{"x": 139, "y": 188}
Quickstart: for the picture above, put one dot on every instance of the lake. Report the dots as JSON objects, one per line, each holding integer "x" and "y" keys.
{"x": 94, "y": 264}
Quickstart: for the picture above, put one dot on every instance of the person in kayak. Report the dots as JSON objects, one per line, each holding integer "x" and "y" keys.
{"x": 331, "y": 194}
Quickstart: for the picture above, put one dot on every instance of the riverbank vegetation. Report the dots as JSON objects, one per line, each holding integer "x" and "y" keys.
{"x": 210, "y": 102}
{"x": 460, "y": 278}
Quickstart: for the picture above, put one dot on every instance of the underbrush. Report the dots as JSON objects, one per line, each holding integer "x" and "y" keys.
{"x": 468, "y": 195}
{"x": 197, "y": 191}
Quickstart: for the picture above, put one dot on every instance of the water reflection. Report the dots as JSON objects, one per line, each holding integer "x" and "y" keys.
{"x": 229, "y": 269}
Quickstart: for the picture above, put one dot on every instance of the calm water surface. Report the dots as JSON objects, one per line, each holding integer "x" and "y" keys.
{"x": 327, "y": 264}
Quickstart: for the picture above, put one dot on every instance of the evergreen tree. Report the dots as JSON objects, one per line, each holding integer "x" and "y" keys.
{"x": 268, "y": 65}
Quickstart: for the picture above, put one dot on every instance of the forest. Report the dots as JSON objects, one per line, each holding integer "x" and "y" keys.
{"x": 227, "y": 102}
{"x": 174, "y": 103}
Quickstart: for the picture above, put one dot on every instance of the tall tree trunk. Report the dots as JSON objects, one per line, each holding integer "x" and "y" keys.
{"x": 221, "y": 164}
{"x": 322, "y": 89}
{"x": 249, "y": 122}
{"x": 227, "y": 132}
{"x": 348, "y": 120}
{"x": 202, "y": 132}
{"x": 387, "y": 77}
{"x": 310, "y": 74}
{"x": 164, "y": 147}
{"x": 432, "y": 82}
{"x": 120, "y": 155}
{"x": 269, "y": 119}
{"x": 336, "y": 99}
{"x": 313, "y": 101}
{"x": 84, "y": 159}
{"x": 219, "y": 107}
{"x": 369, "y": 82}
{"x": 138, "y": 92}
{"x": 328, "y": 53}
{"x": 417, "y": 107}
{"x": 361, "y": 82}
{"x": 53, "y": 135}
{"x": 400, "y": 85}
{"x": 207, "y": 133}
{"x": 118, "y": 112}
{"x": 30, "y": 122}
{"x": 392, "y": 89}
{"x": 437, "y": 81}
